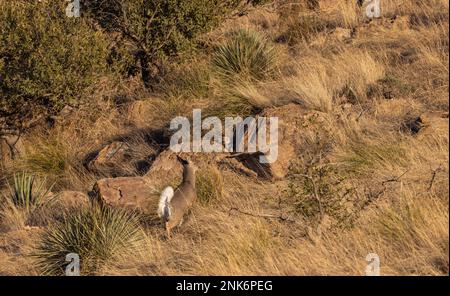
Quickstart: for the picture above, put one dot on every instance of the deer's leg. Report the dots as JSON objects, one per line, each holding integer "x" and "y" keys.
{"x": 181, "y": 222}
{"x": 168, "y": 231}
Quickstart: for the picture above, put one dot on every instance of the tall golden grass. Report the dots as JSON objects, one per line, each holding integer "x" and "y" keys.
{"x": 389, "y": 71}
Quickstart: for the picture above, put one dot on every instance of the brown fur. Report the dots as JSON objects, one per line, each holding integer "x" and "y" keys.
{"x": 183, "y": 198}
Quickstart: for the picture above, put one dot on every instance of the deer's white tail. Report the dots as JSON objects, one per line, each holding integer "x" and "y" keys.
{"x": 164, "y": 203}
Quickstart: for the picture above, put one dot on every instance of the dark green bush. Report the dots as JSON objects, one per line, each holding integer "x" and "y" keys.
{"x": 158, "y": 29}
{"x": 46, "y": 58}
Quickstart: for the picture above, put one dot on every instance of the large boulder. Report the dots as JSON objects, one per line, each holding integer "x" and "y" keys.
{"x": 296, "y": 128}
{"x": 134, "y": 193}
{"x": 165, "y": 169}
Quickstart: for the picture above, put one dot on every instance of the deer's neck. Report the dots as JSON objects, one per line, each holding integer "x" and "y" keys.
{"x": 189, "y": 176}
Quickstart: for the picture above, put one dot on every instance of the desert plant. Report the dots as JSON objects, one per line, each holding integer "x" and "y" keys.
{"x": 99, "y": 235}
{"x": 48, "y": 158}
{"x": 323, "y": 190}
{"x": 246, "y": 54}
{"x": 159, "y": 29}
{"x": 46, "y": 58}
{"x": 26, "y": 196}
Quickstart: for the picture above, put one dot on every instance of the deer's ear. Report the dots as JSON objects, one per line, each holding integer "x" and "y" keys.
{"x": 183, "y": 161}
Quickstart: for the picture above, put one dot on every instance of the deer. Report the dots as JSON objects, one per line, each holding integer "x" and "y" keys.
{"x": 173, "y": 205}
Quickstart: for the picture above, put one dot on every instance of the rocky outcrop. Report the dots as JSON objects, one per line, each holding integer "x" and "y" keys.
{"x": 165, "y": 169}
{"x": 430, "y": 124}
{"x": 296, "y": 127}
{"x": 127, "y": 192}
{"x": 112, "y": 159}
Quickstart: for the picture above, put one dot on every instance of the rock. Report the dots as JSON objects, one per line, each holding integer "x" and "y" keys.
{"x": 341, "y": 34}
{"x": 127, "y": 192}
{"x": 238, "y": 167}
{"x": 72, "y": 199}
{"x": 296, "y": 128}
{"x": 431, "y": 124}
{"x": 112, "y": 159}
{"x": 166, "y": 169}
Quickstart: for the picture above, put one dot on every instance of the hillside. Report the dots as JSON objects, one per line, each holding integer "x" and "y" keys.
{"x": 362, "y": 165}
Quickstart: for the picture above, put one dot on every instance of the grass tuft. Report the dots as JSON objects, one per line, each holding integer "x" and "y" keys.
{"x": 26, "y": 197}
{"x": 98, "y": 235}
{"x": 245, "y": 54}
{"x": 209, "y": 185}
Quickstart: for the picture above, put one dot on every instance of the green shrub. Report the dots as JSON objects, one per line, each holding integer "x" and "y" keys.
{"x": 99, "y": 235}
{"x": 245, "y": 54}
{"x": 160, "y": 28}
{"x": 324, "y": 191}
{"x": 46, "y": 58}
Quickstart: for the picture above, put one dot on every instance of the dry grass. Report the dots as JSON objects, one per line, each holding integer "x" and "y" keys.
{"x": 369, "y": 85}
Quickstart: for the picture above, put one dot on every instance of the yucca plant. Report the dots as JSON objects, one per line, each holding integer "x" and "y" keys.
{"x": 26, "y": 196}
{"x": 99, "y": 235}
{"x": 246, "y": 54}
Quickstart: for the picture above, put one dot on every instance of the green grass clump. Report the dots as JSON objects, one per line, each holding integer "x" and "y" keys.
{"x": 209, "y": 185}
{"x": 99, "y": 235}
{"x": 48, "y": 158}
{"x": 25, "y": 194}
{"x": 365, "y": 158}
{"x": 245, "y": 54}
